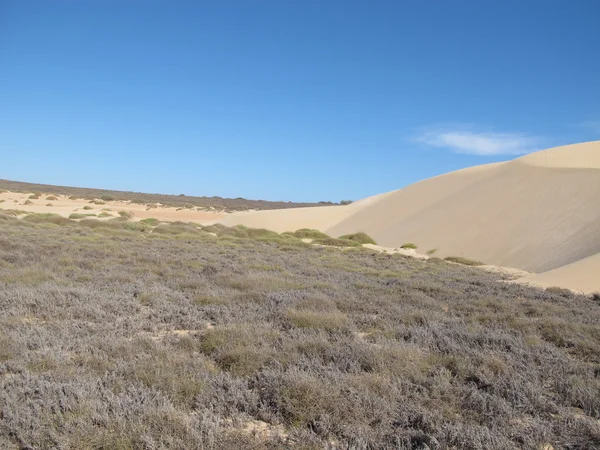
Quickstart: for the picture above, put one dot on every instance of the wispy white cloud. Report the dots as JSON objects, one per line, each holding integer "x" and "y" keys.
{"x": 464, "y": 140}
{"x": 591, "y": 125}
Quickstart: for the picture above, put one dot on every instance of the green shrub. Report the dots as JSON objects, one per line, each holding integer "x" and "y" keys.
{"x": 126, "y": 214}
{"x": 328, "y": 321}
{"x": 34, "y": 196}
{"x": 463, "y": 261}
{"x": 150, "y": 221}
{"x": 346, "y": 202}
{"x": 81, "y": 216}
{"x": 107, "y": 197}
{"x": 432, "y": 251}
{"x": 87, "y": 208}
{"x": 308, "y": 233}
{"x": 337, "y": 242}
{"x": 51, "y": 198}
{"x": 46, "y": 218}
{"x": 409, "y": 245}
{"x": 28, "y": 202}
{"x": 104, "y": 214}
{"x": 361, "y": 238}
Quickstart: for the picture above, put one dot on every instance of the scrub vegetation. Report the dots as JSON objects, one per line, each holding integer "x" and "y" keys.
{"x": 129, "y": 335}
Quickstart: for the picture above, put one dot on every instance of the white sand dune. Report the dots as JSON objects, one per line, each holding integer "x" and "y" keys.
{"x": 581, "y": 276}
{"x": 537, "y": 213}
{"x": 317, "y": 217}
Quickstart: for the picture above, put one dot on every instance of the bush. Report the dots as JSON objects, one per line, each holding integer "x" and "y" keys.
{"x": 328, "y": 321}
{"x": 361, "y": 238}
{"x": 409, "y": 246}
{"x": 346, "y": 202}
{"x": 87, "y": 208}
{"x": 34, "y": 196}
{"x": 463, "y": 261}
{"x": 307, "y": 233}
{"x": 80, "y": 216}
{"x": 126, "y": 214}
{"x": 104, "y": 214}
{"x": 150, "y": 221}
{"x": 51, "y": 198}
{"x": 47, "y": 218}
{"x": 337, "y": 242}
{"x": 107, "y": 197}
{"x": 28, "y": 202}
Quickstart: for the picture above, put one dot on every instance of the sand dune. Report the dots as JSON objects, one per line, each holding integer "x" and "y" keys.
{"x": 320, "y": 218}
{"x": 536, "y": 213}
{"x": 581, "y": 276}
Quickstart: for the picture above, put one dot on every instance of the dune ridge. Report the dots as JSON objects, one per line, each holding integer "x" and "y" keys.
{"x": 538, "y": 213}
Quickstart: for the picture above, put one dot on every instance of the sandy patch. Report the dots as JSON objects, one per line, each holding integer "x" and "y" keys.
{"x": 65, "y": 207}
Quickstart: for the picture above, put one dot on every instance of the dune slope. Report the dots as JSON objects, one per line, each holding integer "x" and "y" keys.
{"x": 536, "y": 213}
{"x": 581, "y": 276}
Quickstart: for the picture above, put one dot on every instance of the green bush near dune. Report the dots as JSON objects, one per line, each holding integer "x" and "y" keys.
{"x": 80, "y": 216}
{"x": 150, "y": 221}
{"x": 464, "y": 261}
{"x": 308, "y": 233}
{"x": 408, "y": 246}
{"x": 361, "y": 238}
{"x": 337, "y": 242}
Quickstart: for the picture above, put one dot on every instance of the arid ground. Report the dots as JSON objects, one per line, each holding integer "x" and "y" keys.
{"x": 118, "y": 334}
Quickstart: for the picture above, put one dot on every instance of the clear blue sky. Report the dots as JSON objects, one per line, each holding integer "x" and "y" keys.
{"x": 288, "y": 100}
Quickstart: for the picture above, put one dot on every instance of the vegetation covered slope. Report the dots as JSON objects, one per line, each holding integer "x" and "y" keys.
{"x": 219, "y": 203}
{"x": 116, "y": 338}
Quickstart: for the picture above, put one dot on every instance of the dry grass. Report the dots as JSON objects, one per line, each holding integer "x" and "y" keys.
{"x": 116, "y": 336}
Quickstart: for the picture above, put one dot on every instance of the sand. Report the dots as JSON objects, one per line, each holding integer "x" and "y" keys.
{"x": 65, "y": 207}
{"x": 581, "y": 276}
{"x": 537, "y": 213}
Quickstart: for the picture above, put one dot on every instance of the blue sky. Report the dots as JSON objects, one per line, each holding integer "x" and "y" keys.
{"x": 288, "y": 100}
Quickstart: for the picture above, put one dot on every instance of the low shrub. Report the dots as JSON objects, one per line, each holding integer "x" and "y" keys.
{"x": 126, "y": 214}
{"x": 87, "y": 208}
{"x": 51, "y": 198}
{"x": 80, "y": 216}
{"x": 337, "y": 242}
{"x": 463, "y": 261}
{"x": 409, "y": 245}
{"x": 361, "y": 238}
{"x": 46, "y": 218}
{"x": 328, "y": 321}
{"x": 308, "y": 233}
{"x": 107, "y": 197}
{"x": 150, "y": 221}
